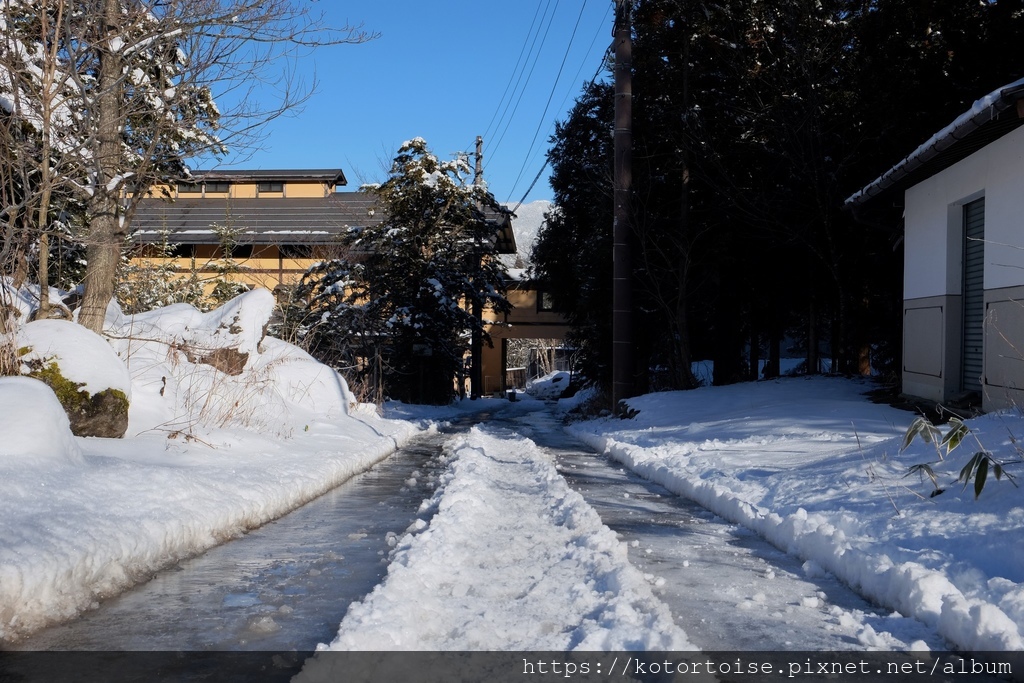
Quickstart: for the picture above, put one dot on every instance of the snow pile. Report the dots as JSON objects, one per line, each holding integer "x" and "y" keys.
{"x": 35, "y": 429}
{"x": 25, "y": 299}
{"x": 814, "y": 467}
{"x": 511, "y": 559}
{"x": 549, "y": 387}
{"x": 218, "y": 370}
{"x": 204, "y": 462}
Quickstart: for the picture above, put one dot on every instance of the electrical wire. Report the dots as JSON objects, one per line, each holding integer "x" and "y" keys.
{"x": 551, "y": 96}
{"x": 593, "y": 79}
{"x": 519, "y": 99}
{"x": 600, "y": 67}
{"x": 515, "y": 69}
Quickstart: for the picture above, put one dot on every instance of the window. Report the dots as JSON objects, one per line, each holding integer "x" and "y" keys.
{"x": 296, "y": 251}
{"x": 270, "y": 187}
{"x": 221, "y": 186}
{"x": 545, "y": 301}
{"x": 308, "y": 251}
{"x": 241, "y": 251}
{"x": 189, "y": 188}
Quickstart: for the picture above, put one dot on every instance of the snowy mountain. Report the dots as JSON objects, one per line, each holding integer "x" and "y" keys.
{"x": 526, "y": 224}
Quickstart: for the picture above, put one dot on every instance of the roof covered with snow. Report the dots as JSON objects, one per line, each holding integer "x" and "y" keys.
{"x": 988, "y": 119}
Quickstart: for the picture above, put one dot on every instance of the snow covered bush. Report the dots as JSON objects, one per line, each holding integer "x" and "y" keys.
{"x": 36, "y": 430}
{"x": 81, "y": 368}
{"x": 218, "y": 370}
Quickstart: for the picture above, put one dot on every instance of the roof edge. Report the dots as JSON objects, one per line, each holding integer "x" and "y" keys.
{"x": 981, "y": 112}
{"x": 333, "y": 176}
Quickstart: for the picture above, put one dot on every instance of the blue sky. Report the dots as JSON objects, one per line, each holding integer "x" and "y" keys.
{"x": 445, "y": 71}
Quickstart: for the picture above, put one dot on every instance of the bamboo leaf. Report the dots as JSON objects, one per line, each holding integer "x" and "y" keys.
{"x": 979, "y": 477}
{"x": 924, "y": 469}
{"x": 968, "y": 469}
{"x": 955, "y": 436}
{"x": 912, "y": 431}
{"x": 928, "y": 432}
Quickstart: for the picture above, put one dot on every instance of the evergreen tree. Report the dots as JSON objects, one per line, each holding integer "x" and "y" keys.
{"x": 572, "y": 253}
{"x": 398, "y": 309}
{"x": 752, "y": 122}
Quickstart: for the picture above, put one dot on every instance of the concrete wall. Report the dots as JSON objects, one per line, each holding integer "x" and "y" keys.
{"x": 934, "y": 266}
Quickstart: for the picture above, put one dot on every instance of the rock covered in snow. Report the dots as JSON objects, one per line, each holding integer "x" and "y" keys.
{"x": 35, "y": 428}
{"x": 83, "y": 371}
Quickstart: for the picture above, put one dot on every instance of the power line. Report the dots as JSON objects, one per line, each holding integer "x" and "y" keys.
{"x": 593, "y": 79}
{"x": 515, "y": 69}
{"x": 597, "y": 73}
{"x": 536, "y": 58}
{"x": 551, "y": 96}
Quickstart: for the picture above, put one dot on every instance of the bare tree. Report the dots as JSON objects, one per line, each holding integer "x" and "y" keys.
{"x": 136, "y": 82}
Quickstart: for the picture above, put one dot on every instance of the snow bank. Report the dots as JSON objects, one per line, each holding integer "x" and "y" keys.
{"x": 206, "y": 460}
{"x": 203, "y": 371}
{"x": 35, "y": 430}
{"x": 510, "y": 559}
{"x": 25, "y": 299}
{"x": 813, "y": 466}
{"x": 550, "y": 386}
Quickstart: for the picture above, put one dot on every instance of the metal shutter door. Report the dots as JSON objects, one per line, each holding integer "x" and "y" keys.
{"x": 974, "y": 294}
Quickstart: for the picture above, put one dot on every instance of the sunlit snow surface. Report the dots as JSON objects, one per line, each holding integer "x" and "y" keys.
{"x": 505, "y": 555}
{"x": 815, "y": 468}
{"x": 210, "y": 455}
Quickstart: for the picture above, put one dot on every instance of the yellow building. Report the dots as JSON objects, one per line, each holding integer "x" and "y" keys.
{"x": 277, "y": 223}
{"x": 533, "y": 317}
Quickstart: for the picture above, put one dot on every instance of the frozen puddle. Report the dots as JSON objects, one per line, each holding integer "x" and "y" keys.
{"x": 727, "y": 588}
{"x": 284, "y": 586}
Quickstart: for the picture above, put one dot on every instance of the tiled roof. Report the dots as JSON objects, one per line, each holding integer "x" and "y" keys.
{"x": 316, "y": 220}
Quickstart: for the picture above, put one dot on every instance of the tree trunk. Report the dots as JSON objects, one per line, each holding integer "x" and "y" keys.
{"x": 754, "y": 371}
{"x": 813, "y": 354}
{"x": 107, "y": 232}
{"x": 43, "y": 217}
{"x": 773, "y": 368}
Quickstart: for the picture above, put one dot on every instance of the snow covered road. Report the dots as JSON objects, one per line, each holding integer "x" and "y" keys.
{"x": 730, "y": 589}
{"x": 507, "y": 557}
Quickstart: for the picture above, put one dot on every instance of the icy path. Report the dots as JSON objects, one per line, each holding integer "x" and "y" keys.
{"x": 283, "y": 586}
{"x": 728, "y": 588}
{"x": 507, "y": 557}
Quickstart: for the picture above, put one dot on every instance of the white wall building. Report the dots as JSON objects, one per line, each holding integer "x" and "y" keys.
{"x": 963, "y": 289}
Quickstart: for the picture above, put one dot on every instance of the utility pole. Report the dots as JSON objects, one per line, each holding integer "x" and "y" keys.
{"x": 476, "y": 342}
{"x": 622, "y": 267}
